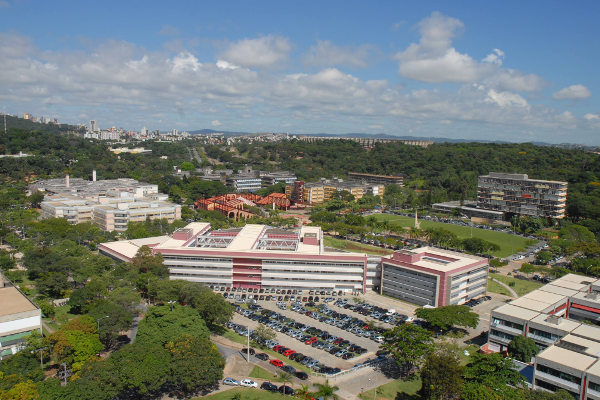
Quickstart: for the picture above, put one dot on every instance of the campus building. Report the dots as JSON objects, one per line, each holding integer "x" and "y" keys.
{"x": 516, "y": 194}
{"x": 377, "y": 179}
{"x": 19, "y": 317}
{"x": 255, "y": 256}
{"x": 432, "y": 276}
{"x": 326, "y": 189}
{"x": 110, "y": 204}
{"x": 560, "y": 318}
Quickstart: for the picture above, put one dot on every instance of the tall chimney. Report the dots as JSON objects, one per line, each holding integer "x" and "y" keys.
{"x": 94, "y": 176}
{"x": 67, "y": 180}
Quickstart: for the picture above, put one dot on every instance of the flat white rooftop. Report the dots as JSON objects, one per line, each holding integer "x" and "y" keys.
{"x": 14, "y": 302}
{"x": 516, "y": 312}
{"x": 561, "y": 323}
{"x": 305, "y": 241}
{"x": 568, "y": 358}
{"x": 434, "y": 259}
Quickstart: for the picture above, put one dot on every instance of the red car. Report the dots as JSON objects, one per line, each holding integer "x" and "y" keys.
{"x": 277, "y": 348}
{"x": 311, "y": 340}
{"x": 288, "y": 353}
{"x": 338, "y": 341}
{"x": 277, "y": 363}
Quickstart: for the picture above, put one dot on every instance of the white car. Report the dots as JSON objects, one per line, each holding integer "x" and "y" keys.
{"x": 249, "y": 383}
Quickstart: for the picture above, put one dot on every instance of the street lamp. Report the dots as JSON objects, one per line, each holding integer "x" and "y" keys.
{"x": 98, "y": 322}
{"x": 171, "y": 302}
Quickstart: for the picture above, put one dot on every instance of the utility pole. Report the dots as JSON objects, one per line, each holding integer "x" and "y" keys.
{"x": 248, "y": 352}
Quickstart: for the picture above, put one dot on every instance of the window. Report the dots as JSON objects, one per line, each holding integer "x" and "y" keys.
{"x": 559, "y": 374}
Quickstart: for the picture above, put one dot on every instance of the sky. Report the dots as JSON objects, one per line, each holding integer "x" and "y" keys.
{"x": 516, "y": 71}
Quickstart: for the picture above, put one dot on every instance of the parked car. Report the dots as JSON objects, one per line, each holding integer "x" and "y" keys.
{"x": 286, "y": 390}
{"x": 301, "y": 375}
{"x": 262, "y": 356}
{"x": 277, "y": 363}
{"x": 248, "y": 383}
{"x": 230, "y": 381}
{"x": 269, "y": 386}
{"x": 245, "y": 351}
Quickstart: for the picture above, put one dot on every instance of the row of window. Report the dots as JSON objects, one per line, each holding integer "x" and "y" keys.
{"x": 502, "y": 335}
{"x": 553, "y": 388}
{"x": 559, "y": 374}
{"x": 503, "y": 322}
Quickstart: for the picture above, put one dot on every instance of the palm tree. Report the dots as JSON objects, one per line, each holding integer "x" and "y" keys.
{"x": 327, "y": 391}
{"x": 285, "y": 377}
{"x": 303, "y": 391}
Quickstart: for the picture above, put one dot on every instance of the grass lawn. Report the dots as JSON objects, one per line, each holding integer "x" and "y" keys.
{"x": 261, "y": 373}
{"x": 494, "y": 287}
{"x": 356, "y": 247}
{"x": 391, "y": 389}
{"x": 246, "y": 393}
{"x": 61, "y": 316}
{"x": 229, "y": 334}
{"x": 509, "y": 244}
{"x": 522, "y": 287}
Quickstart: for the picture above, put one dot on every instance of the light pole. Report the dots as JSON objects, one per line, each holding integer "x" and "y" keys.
{"x": 248, "y": 348}
{"x": 171, "y": 302}
{"x": 98, "y": 322}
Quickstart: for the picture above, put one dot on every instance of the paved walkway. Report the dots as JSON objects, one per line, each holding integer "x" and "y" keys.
{"x": 504, "y": 285}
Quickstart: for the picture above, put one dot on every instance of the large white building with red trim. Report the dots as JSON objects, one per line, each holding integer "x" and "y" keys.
{"x": 255, "y": 256}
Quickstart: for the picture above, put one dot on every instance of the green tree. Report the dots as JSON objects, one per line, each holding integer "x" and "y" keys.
{"x": 446, "y": 317}
{"x": 187, "y": 166}
{"x": 441, "y": 377}
{"x": 162, "y": 325}
{"x": 494, "y": 374}
{"x": 213, "y": 308}
{"x": 327, "y": 391}
{"x": 142, "y": 368}
{"x": 146, "y": 262}
{"x": 408, "y": 344}
{"x": 195, "y": 363}
{"x": 522, "y": 348}
{"x": 264, "y": 333}
{"x": 113, "y": 318}
{"x": 543, "y": 257}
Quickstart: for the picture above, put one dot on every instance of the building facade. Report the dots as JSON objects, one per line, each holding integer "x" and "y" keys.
{"x": 377, "y": 179}
{"x": 435, "y": 277}
{"x": 255, "y": 256}
{"x": 560, "y": 318}
{"x": 19, "y": 317}
{"x": 516, "y": 194}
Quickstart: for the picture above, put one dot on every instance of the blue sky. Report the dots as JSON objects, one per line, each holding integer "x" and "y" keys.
{"x": 515, "y": 71}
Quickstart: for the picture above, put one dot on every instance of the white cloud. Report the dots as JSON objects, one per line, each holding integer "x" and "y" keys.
{"x": 573, "y": 92}
{"x": 506, "y": 99}
{"x": 126, "y": 85}
{"x": 326, "y": 54}
{"x": 435, "y": 60}
{"x": 495, "y": 57}
{"x": 592, "y": 117}
{"x": 222, "y": 64}
{"x": 263, "y": 52}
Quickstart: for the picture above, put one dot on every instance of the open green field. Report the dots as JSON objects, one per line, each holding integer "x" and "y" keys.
{"x": 390, "y": 390}
{"x": 261, "y": 373}
{"x": 509, "y": 244}
{"x": 356, "y": 247}
{"x": 246, "y": 394}
{"x": 495, "y": 287}
{"x": 522, "y": 287}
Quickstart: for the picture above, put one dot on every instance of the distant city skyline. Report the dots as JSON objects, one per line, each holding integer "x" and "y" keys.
{"x": 510, "y": 71}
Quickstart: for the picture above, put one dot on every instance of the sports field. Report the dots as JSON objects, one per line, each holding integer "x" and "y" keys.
{"x": 509, "y": 244}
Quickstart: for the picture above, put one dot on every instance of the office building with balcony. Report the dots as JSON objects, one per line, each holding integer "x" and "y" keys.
{"x": 255, "y": 256}
{"x": 432, "y": 276}
{"x": 516, "y": 194}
